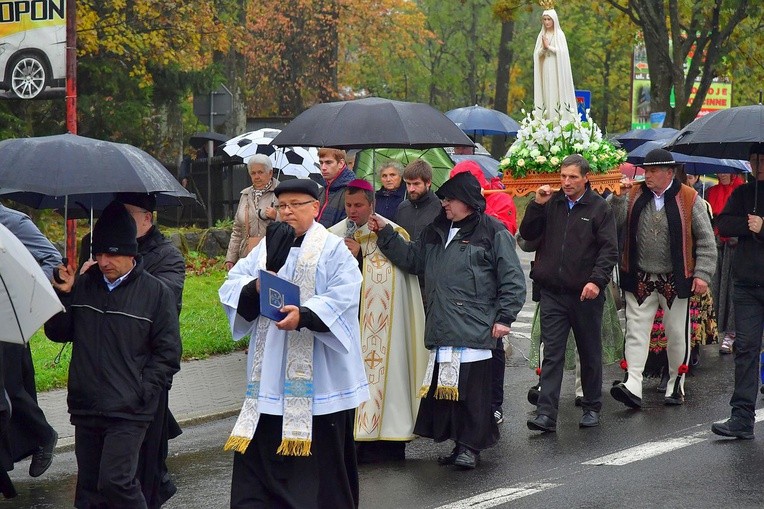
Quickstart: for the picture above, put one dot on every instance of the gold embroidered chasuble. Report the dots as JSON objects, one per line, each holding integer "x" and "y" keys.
{"x": 392, "y": 342}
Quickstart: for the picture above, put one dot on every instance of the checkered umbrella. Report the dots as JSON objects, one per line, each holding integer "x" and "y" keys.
{"x": 288, "y": 162}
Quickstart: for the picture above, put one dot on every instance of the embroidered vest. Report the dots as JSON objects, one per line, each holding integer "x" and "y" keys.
{"x": 678, "y": 203}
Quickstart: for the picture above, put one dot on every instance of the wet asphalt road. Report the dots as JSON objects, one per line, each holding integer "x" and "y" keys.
{"x": 665, "y": 457}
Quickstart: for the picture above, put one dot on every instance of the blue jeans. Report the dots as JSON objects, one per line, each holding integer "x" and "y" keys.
{"x": 749, "y": 319}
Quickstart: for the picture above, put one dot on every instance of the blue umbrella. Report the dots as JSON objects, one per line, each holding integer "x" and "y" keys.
{"x": 488, "y": 164}
{"x": 636, "y": 137}
{"x": 693, "y": 165}
{"x": 476, "y": 120}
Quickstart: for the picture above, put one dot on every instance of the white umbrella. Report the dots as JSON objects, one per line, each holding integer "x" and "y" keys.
{"x": 27, "y": 299}
{"x": 298, "y": 162}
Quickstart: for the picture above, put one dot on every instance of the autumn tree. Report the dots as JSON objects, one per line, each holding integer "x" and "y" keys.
{"x": 674, "y": 31}
{"x": 304, "y": 51}
{"x": 601, "y": 60}
{"x": 136, "y": 57}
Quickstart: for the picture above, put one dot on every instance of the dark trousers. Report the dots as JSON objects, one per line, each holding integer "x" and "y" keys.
{"x": 749, "y": 317}
{"x": 328, "y": 478}
{"x": 152, "y": 461}
{"x": 107, "y": 460}
{"x": 28, "y": 428}
{"x": 559, "y": 314}
{"x": 498, "y": 366}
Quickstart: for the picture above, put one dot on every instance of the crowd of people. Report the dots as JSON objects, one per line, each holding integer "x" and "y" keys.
{"x": 398, "y": 331}
{"x": 376, "y": 316}
{"x": 427, "y": 350}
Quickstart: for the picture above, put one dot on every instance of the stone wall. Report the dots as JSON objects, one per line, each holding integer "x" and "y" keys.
{"x": 211, "y": 242}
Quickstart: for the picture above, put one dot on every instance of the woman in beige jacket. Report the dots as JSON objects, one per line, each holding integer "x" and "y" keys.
{"x": 256, "y": 210}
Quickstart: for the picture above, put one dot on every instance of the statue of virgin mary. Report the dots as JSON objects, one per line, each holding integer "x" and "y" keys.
{"x": 553, "y": 90}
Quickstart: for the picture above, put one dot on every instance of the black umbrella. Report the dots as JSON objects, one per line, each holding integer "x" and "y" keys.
{"x": 693, "y": 165}
{"x": 80, "y": 206}
{"x": 724, "y": 134}
{"x": 636, "y": 137}
{"x": 372, "y": 123}
{"x": 199, "y": 140}
{"x": 68, "y": 166}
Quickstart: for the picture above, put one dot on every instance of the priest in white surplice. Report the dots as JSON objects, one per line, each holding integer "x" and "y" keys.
{"x": 392, "y": 335}
{"x": 293, "y": 438}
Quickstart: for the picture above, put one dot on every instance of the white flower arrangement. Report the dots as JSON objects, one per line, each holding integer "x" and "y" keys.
{"x": 542, "y": 144}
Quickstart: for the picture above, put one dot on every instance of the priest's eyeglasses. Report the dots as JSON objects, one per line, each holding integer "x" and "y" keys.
{"x": 282, "y": 207}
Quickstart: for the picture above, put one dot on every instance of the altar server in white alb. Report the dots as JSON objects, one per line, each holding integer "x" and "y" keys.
{"x": 392, "y": 335}
{"x": 294, "y": 436}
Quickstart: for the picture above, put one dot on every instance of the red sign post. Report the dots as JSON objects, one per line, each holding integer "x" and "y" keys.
{"x": 71, "y": 111}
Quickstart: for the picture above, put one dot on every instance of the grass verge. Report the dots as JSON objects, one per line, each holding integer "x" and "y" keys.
{"x": 203, "y": 328}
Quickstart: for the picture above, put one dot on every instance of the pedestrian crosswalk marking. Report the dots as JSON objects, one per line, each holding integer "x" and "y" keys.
{"x": 647, "y": 450}
{"x": 500, "y": 496}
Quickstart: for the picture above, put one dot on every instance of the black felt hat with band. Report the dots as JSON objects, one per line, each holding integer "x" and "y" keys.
{"x": 115, "y": 232}
{"x": 659, "y": 157}
{"x": 302, "y": 186}
{"x": 145, "y": 201}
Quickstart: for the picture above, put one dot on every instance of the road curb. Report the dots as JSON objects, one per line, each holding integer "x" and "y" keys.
{"x": 66, "y": 444}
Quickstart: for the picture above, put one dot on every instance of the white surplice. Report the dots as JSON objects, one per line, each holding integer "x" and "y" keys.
{"x": 339, "y": 379}
{"x": 392, "y": 342}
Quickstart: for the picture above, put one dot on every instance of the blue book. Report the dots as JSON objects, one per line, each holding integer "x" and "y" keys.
{"x": 275, "y": 293}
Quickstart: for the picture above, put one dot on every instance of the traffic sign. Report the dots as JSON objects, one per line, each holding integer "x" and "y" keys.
{"x": 214, "y": 108}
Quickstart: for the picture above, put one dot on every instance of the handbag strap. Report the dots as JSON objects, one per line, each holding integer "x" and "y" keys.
{"x": 246, "y": 217}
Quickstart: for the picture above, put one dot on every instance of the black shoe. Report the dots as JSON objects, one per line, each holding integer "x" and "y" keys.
{"x": 6, "y": 485}
{"x": 533, "y": 395}
{"x": 590, "y": 419}
{"x": 663, "y": 384}
{"x": 451, "y": 458}
{"x": 578, "y": 401}
{"x": 733, "y": 428}
{"x": 467, "y": 459}
{"x": 43, "y": 457}
{"x": 167, "y": 489}
{"x": 624, "y": 395}
{"x": 542, "y": 423}
{"x": 675, "y": 399}
{"x": 695, "y": 357}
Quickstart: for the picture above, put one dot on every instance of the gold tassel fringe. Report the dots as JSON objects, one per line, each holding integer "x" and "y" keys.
{"x": 238, "y": 444}
{"x": 450, "y": 393}
{"x": 294, "y": 447}
{"x": 424, "y": 390}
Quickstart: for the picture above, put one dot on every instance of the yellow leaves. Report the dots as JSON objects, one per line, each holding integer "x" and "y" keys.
{"x": 506, "y": 10}
{"x": 152, "y": 33}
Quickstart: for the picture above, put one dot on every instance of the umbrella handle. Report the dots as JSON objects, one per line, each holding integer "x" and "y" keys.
{"x": 56, "y": 276}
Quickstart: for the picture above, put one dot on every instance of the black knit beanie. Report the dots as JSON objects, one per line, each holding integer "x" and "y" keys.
{"x": 115, "y": 232}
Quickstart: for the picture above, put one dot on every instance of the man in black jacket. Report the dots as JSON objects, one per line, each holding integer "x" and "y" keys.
{"x": 123, "y": 325}
{"x": 165, "y": 262}
{"x": 422, "y": 206}
{"x": 741, "y": 218}
{"x": 577, "y": 252}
